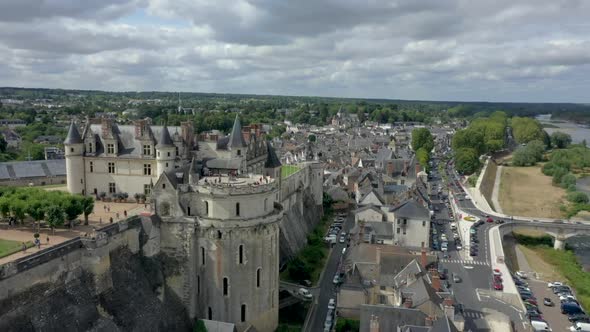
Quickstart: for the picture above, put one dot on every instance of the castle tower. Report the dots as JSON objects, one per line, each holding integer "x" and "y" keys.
{"x": 236, "y": 254}
{"x": 165, "y": 152}
{"x": 272, "y": 165}
{"x": 74, "y": 151}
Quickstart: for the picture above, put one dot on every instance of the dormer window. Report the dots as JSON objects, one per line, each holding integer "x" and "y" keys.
{"x": 110, "y": 148}
{"x": 239, "y": 152}
{"x": 147, "y": 149}
{"x": 89, "y": 147}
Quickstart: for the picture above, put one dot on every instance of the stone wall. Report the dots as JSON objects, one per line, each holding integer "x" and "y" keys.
{"x": 487, "y": 180}
{"x": 103, "y": 283}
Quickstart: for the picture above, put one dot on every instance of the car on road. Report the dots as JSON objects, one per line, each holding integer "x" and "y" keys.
{"x": 456, "y": 278}
{"x": 496, "y": 272}
{"x": 459, "y": 246}
{"x": 498, "y": 286}
{"x": 331, "y": 304}
{"x": 582, "y": 327}
{"x": 342, "y": 239}
{"x": 500, "y": 221}
{"x": 336, "y": 280}
{"x": 489, "y": 219}
{"x": 548, "y": 302}
{"x": 305, "y": 293}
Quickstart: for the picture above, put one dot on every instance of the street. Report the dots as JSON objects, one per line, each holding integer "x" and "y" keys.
{"x": 327, "y": 289}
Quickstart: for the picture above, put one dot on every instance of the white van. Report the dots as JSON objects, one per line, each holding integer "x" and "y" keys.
{"x": 580, "y": 327}
{"x": 539, "y": 326}
{"x": 453, "y": 225}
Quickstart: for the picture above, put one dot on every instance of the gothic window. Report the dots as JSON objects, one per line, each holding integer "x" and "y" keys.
{"x": 111, "y": 168}
{"x": 203, "y": 256}
{"x": 258, "y": 277}
{"x": 111, "y": 148}
{"x": 207, "y": 208}
{"x": 91, "y": 166}
{"x": 241, "y": 254}
{"x": 112, "y": 188}
{"x": 210, "y": 314}
{"x": 238, "y": 209}
{"x": 243, "y": 313}
{"x": 147, "y": 149}
{"x": 225, "y": 286}
{"x": 147, "y": 189}
{"x": 147, "y": 169}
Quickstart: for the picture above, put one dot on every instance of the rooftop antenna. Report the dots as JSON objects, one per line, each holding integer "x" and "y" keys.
{"x": 179, "y": 105}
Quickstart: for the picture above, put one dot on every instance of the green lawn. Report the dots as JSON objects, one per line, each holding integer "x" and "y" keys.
{"x": 287, "y": 170}
{"x": 8, "y": 247}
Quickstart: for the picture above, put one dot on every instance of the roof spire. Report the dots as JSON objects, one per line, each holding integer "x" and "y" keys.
{"x": 272, "y": 161}
{"x": 165, "y": 139}
{"x": 73, "y": 135}
{"x": 236, "y": 139}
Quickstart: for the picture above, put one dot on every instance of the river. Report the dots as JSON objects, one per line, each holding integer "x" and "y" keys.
{"x": 580, "y": 244}
{"x": 576, "y": 131}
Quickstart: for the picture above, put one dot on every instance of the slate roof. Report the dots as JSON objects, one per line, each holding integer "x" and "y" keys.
{"x": 236, "y": 139}
{"x": 272, "y": 160}
{"x": 165, "y": 139}
{"x": 222, "y": 163}
{"x": 32, "y": 169}
{"x": 384, "y": 154}
{"x": 390, "y": 317}
{"x": 411, "y": 209}
{"x": 73, "y": 135}
{"x": 129, "y": 147}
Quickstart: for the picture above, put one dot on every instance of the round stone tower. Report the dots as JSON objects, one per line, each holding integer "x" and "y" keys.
{"x": 74, "y": 152}
{"x": 237, "y": 251}
{"x": 165, "y": 152}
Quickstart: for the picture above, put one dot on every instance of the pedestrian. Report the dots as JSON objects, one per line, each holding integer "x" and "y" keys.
{"x": 117, "y": 214}
{"x": 47, "y": 239}
{"x": 105, "y": 207}
{"x": 24, "y": 247}
{"x": 125, "y": 213}
{"x": 100, "y": 220}
{"x": 111, "y": 220}
{"x": 145, "y": 205}
{"x": 109, "y": 208}
{"x": 38, "y": 244}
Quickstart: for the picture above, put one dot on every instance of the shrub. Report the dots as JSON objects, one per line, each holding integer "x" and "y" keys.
{"x": 577, "y": 197}
{"x": 568, "y": 180}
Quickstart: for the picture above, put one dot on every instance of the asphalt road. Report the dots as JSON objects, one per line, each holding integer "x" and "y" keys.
{"x": 326, "y": 287}
{"x": 476, "y": 273}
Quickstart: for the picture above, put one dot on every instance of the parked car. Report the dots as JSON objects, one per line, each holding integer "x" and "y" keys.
{"x": 332, "y": 304}
{"x": 531, "y": 301}
{"x": 548, "y": 302}
{"x": 569, "y": 308}
{"x": 555, "y": 284}
{"x": 305, "y": 293}
{"x": 582, "y": 327}
{"x": 577, "y": 317}
{"x": 496, "y": 272}
{"x": 521, "y": 274}
{"x": 498, "y": 286}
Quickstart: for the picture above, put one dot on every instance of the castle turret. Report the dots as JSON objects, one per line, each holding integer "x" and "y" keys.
{"x": 74, "y": 151}
{"x": 165, "y": 152}
{"x": 272, "y": 165}
{"x": 237, "y": 145}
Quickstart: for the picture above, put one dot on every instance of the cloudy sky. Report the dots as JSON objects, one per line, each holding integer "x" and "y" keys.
{"x": 494, "y": 50}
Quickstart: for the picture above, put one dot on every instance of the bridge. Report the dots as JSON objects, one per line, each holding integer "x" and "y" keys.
{"x": 295, "y": 297}
{"x": 559, "y": 230}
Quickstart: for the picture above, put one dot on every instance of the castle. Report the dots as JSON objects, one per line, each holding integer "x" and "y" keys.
{"x": 227, "y": 216}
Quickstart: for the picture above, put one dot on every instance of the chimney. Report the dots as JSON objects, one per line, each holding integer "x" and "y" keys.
{"x": 140, "y": 126}
{"x": 408, "y": 302}
{"x": 374, "y": 326}
{"x": 107, "y": 127}
{"x": 436, "y": 282}
{"x": 423, "y": 258}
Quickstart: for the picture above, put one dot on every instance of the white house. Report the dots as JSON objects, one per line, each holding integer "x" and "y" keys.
{"x": 412, "y": 224}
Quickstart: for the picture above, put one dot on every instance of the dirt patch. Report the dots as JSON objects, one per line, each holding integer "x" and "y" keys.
{"x": 530, "y": 232}
{"x": 546, "y": 271}
{"x": 525, "y": 191}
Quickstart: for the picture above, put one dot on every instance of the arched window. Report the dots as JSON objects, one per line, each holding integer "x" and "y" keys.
{"x": 258, "y": 277}
{"x": 198, "y": 284}
{"x": 238, "y": 209}
{"x": 265, "y": 204}
{"x": 243, "y": 313}
{"x": 210, "y": 314}
{"x": 225, "y": 286}
{"x": 241, "y": 254}
{"x": 207, "y": 208}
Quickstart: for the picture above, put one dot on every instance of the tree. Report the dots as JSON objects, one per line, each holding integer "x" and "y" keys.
{"x": 560, "y": 140}
{"x": 568, "y": 180}
{"x": 523, "y": 157}
{"x": 422, "y": 138}
{"x": 423, "y": 157}
{"x": 577, "y": 197}
{"x": 298, "y": 269}
{"x": 469, "y": 139}
{"x": 466, "y": 160}
{"x": 312, "y": 138}
{"x": 72, "y": 207}
{"x": 55, "y": 216}
{"x": 87, "y": 204}
{"x": 3, "y": 144}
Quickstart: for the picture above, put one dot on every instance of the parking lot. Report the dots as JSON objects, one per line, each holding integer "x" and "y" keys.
{"x": 557, "y": 321}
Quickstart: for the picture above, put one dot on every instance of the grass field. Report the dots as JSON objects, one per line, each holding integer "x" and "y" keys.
{"x": 8, "y": 247}
{"x": 535, "y": 259}
{"x": 287, "y": 170}
{"x": 525, "y": 191}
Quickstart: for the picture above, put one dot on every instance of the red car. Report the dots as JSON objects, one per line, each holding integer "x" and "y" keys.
{"x": 490, "y": 219}
{"x": 498, "y": 279}
{"x": 531, "y": 301}
{"x": 498, "y": 286}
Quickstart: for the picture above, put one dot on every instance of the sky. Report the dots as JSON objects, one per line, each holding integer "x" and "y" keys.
{"x": 460, "y": 50}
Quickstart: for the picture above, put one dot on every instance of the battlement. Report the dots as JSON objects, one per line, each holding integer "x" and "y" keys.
{"x": 227, "y": 185}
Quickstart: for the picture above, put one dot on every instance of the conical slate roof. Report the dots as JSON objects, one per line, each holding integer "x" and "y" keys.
{"x": 236, "y": 139}
{"x": 272, "y": 160}
{"x": 165, "y": 139}
{"x": 73, "y": 135}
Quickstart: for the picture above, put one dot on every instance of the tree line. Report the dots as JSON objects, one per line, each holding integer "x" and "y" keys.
{"x": 53, "y": 207}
